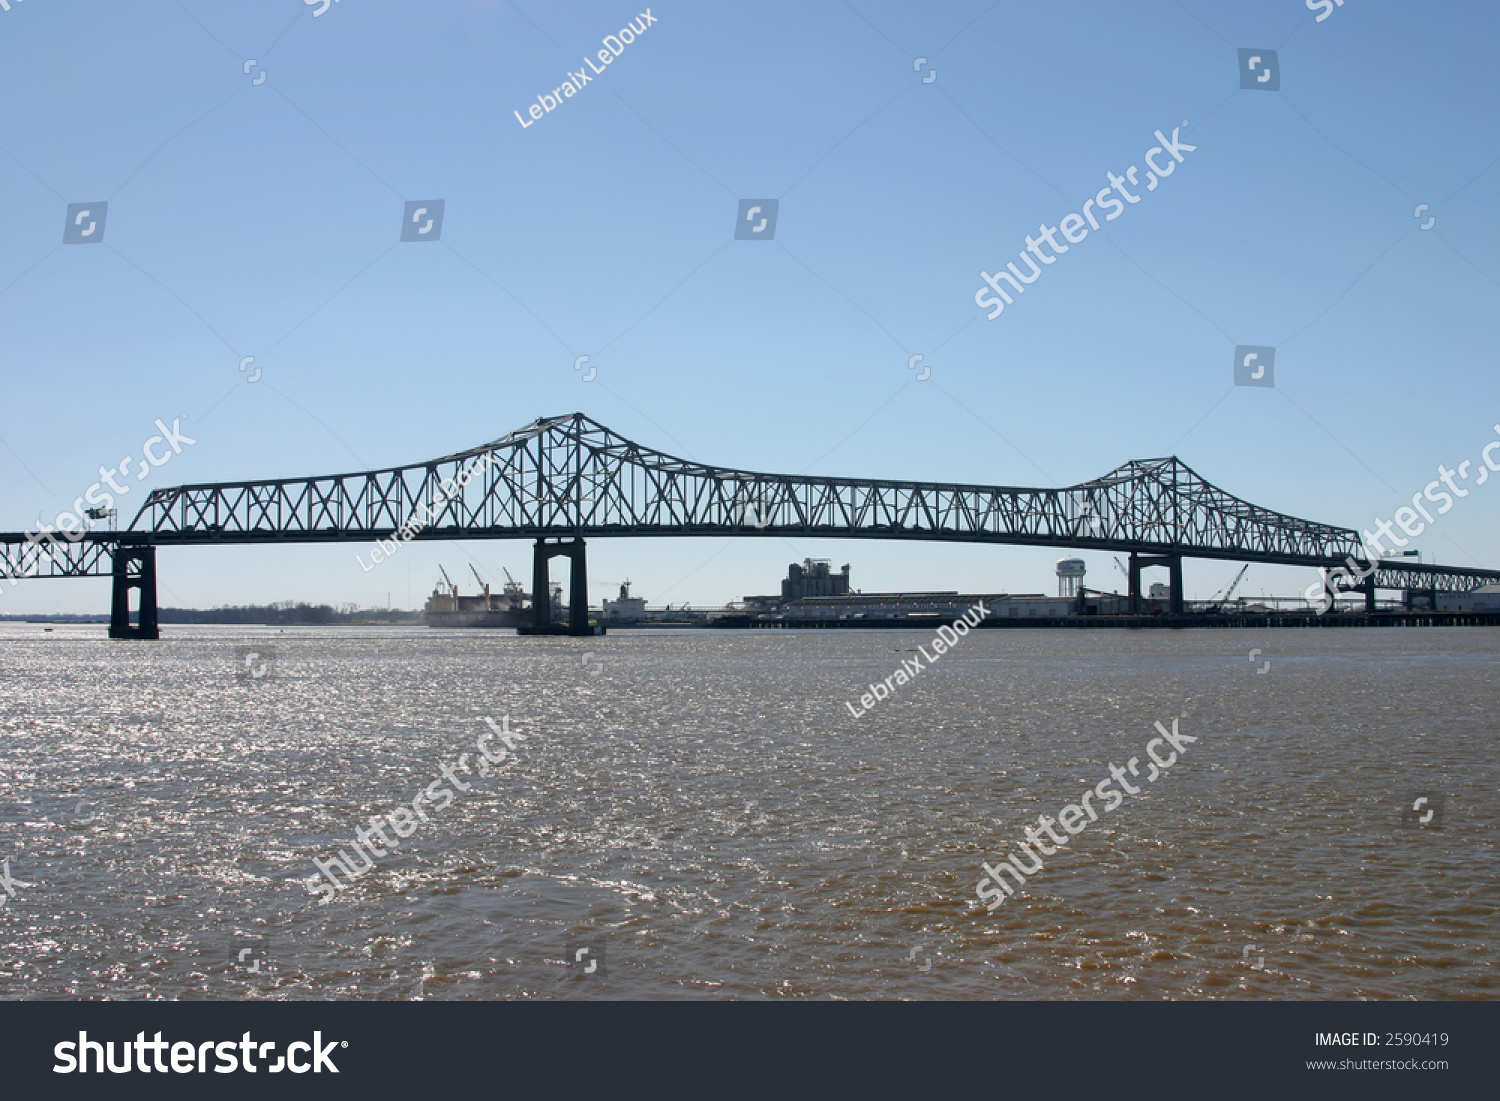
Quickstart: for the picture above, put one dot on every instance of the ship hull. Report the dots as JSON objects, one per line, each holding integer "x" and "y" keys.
{"x": 510, "y": 617}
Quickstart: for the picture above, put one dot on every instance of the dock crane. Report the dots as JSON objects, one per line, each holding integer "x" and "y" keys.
{"x": 483, "y": 584}
{"x": 1216, "y": 603}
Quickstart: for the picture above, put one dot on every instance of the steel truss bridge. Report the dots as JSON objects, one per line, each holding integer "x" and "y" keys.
{"x": 560, "y": 480}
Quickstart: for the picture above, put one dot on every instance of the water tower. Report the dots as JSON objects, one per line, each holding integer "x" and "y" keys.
{"x": 1070, "y": 573}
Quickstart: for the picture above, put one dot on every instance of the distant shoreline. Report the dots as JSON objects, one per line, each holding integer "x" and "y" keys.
{"x": 254, "y": 615}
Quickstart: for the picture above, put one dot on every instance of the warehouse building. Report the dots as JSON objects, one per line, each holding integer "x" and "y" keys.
{"x": 1483, "y": 599}
{"x": 937, "y": 605}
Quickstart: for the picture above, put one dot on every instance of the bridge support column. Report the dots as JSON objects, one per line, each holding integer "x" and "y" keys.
{"x": 578, "y": 591}
{"x": 1368, "y": 587}
{"x": 134, "y": 568}
{"x": 541, "y": 586}
{"x": 1173, "y": 562}
{"x": 541, "y": 590}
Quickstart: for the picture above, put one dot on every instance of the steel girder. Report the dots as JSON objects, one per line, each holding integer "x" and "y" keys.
{"x": 91, "y": 556}
{"x": 1451, "y": 579}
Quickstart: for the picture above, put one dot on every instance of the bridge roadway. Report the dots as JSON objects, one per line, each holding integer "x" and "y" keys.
{"x": 560, "y": 480}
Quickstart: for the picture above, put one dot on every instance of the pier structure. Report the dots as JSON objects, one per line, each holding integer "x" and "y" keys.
{"x": 134, "y": 571}
{"x": 1173, "y": 562}
{"x": 578, "y": 589}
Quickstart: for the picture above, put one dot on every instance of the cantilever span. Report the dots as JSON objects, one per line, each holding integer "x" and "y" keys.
{"x": 569, "y": 478}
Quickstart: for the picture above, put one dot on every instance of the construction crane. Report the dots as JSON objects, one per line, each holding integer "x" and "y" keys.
{"x": 1215, "y": 603}
{"x": 483, "y": 584}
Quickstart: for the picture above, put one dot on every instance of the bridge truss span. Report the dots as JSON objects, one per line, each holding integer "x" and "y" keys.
{"x": 561, "y": 480}
{"x": 571, "y": 476}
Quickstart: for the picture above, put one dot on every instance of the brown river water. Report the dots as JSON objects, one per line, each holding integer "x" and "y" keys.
{"x": 697, "y": 814}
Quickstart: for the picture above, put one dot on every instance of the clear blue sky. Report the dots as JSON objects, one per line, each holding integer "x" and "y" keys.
{"x": 263, "y": 220}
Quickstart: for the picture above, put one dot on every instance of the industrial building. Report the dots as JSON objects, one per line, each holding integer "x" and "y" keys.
{"x": 815, "y": 577}
{"x": 1484, "y": 599}
{"x": 812, "y": 591}
{"x": 918, "y": 606}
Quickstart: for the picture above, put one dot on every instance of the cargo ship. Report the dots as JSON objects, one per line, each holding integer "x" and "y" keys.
{"x": 446, "y": 607}
{"x": 628, "y": 609}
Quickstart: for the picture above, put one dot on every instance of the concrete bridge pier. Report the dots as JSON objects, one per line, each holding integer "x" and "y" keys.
{"x": 541, "y": 590}
{"x": 134, "y": 568}
{"x": 1173, "y": 562}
